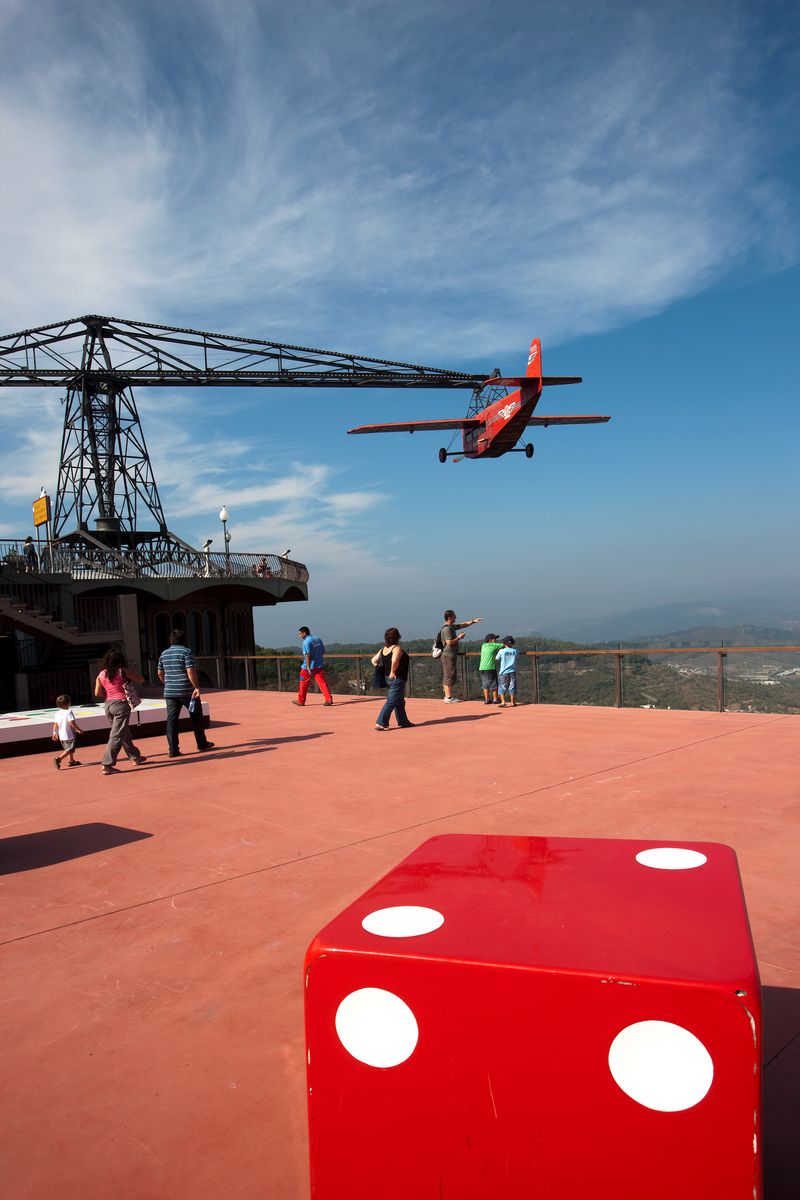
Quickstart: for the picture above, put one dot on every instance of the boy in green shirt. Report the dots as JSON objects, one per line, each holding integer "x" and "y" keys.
{"x": 488, "y": 668}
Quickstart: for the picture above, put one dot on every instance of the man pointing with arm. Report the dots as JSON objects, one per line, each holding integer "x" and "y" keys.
{"x": 450, "y": 639}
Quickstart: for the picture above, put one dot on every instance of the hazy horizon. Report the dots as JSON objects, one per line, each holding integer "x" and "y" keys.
{"x": 273, "y": 628}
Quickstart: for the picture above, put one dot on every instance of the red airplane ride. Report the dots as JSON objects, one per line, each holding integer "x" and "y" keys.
{"x": 496, "y": 429}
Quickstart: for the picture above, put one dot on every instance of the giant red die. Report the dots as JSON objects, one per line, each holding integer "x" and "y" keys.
{"x": 537, "y": 1017}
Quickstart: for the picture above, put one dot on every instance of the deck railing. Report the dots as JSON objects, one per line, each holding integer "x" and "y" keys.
{"x": 87, "y": 562}
{"x": 606, "y": 677}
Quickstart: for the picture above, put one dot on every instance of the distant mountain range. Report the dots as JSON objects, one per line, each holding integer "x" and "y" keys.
{"x": 776, "y": 616}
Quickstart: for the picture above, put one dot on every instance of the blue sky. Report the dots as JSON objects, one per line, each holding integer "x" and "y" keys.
{"x": 431, "y": 182}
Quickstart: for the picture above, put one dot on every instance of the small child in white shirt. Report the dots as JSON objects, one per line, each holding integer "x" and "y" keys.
{"x": 64, "y": 730}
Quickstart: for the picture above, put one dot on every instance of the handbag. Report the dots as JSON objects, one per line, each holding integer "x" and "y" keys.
{"x": 131, "y": 694}
{"x": 379, "y": 674}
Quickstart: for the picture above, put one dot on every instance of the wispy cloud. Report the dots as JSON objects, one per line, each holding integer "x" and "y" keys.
{"x": 427, "y": 182}
{"x": 433, "y": 184}
{"x": 29, "y": 447}
{"x": 345, "y": 504}
{"x": 299, "y": 504}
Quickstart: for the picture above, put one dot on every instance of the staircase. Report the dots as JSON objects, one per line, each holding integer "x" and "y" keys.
{"x": 35, "y": 608}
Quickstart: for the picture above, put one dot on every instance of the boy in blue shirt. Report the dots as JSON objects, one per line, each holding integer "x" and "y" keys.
{"x": 507, "y": 673}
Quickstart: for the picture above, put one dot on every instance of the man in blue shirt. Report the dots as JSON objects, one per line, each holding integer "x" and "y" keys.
{"x": 177, "y": 672}
{"x": 312, "y": 667}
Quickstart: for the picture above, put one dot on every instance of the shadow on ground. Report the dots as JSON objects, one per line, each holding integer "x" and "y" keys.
{"x": 237, "y": 750}
{"x": 29, "y": 851}
{"x": 453, "y": 720}
{"x": 780, "y": 1091}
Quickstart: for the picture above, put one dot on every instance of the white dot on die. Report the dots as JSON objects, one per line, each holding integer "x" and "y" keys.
{"x": 403, "y": 920}
{"x": 377, "y": 1027}
{"x": 661, "y": 1066}
{"x": 671, "y": 858}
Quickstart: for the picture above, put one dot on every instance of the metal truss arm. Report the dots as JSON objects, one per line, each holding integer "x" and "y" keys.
{"x": 117, "y": 353}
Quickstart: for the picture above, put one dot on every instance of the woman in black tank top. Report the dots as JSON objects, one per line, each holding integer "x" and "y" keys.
{"x": 394, "y": 661}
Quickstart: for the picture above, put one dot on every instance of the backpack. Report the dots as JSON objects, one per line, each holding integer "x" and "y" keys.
{"x": 438, "y": 645}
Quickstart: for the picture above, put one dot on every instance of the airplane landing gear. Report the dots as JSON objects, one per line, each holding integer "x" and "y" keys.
{"x": 529, "y": 450}
{"x": 442, "y": 455}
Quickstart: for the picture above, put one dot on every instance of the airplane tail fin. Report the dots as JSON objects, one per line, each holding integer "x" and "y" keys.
{"x": 534, "y": 369}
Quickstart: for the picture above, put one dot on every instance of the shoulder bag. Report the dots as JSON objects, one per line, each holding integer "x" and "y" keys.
{"x": 131, "y": 694}
{"x": 379, "y": 673}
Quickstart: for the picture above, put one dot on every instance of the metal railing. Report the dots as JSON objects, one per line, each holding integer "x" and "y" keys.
{"x": 44, "y": 685}
{"x": 92, "y": 614}
{"x": 620, "y": 678}
{"x": 33, "y": 595}
{"x": 236, "y": 566}
{"x": 97, "y": 614}
{"x": 87, "y": 561}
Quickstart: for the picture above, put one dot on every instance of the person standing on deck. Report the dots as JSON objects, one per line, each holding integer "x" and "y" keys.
{"x": 507, "y": 673}
{"x": 30, "y": 556}
{"x": 450, "y": 639}
{"x": 487, "y": 668}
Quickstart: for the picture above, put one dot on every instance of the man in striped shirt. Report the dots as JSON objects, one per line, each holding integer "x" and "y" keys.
{"x": 177, "y": 672}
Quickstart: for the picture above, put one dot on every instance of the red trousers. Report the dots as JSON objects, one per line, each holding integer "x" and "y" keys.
{"x": 306, "y": 678}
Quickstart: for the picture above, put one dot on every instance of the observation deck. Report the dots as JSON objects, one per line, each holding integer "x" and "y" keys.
{"x": 166, "y": 566}
{"x": 78, "y": 593}
{"x": 154, "y": 923}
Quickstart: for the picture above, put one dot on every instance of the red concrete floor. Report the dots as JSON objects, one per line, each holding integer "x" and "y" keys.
{"x": 154, "y": 923}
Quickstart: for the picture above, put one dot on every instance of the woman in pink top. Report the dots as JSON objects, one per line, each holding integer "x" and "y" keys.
{"x": 110, "y": 683}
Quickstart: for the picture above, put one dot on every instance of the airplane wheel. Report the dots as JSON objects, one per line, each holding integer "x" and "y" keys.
{"x": 529, "y": 451}
{"x": 442, "y": 455}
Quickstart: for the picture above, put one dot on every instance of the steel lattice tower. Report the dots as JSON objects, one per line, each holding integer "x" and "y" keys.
{"x": 105, "y": 476}
{"x": 105, "y": 470}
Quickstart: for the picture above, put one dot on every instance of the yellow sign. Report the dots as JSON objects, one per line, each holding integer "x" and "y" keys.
{"x": 41, "y": 511}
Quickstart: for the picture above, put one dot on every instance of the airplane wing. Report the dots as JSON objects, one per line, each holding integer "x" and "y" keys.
{"x": 516, "y": 381}
{"x": 567, "y": 420}
{"x": 413, "y": 426}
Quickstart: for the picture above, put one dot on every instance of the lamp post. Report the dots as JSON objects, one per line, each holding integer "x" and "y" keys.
{"x": 223, "y": 516}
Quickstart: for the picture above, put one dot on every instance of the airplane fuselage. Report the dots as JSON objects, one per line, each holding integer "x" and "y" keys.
{"x": 502, "y": 425}
{"x": 498, "y": 427}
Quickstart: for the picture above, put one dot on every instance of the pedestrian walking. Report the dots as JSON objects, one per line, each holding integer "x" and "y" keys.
{"x": 394, "y": 661}
{"x": 110, "y": 686}
{"x": 178, "y": 673}
{"x": 65, "y": 729}
{"x": 312, "y": 668}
